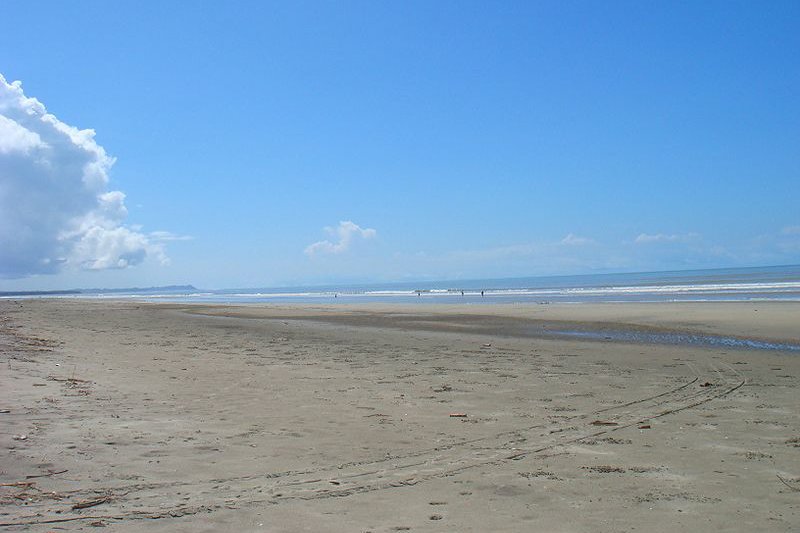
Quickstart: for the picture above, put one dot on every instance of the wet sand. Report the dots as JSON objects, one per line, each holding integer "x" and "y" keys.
{"x": 170, "y": 417}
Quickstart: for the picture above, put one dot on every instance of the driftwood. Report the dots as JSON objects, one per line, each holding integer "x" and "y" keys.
{"x": 787, "y": 483}
{"x": 69, "y": 380}
{"x": 46, "y": 475}
{"x": 18, "y": 484}
{"x": 91, "y": 503}
{"x": 604, "y": 423}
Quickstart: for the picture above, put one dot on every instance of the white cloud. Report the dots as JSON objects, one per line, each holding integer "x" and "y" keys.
{"x": 55, "y": 207}
{"x": 344, "y": 236}
{"x": 574, "y": 240}
{"x": 645, "y": 238}
{"x": 15, "y": 138}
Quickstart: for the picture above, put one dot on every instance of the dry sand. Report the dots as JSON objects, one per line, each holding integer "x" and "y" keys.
{"x": 144, "y": 417}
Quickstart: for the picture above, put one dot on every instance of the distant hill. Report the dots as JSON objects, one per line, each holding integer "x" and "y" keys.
{"x": 129, "y": 290}
{"x": 38, "y": 293}
{"x": 166, "y": 288}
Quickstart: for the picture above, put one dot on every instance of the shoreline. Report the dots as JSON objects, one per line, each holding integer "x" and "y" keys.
{"x": 288, "y": 417}
{"x": 555, "y": 321}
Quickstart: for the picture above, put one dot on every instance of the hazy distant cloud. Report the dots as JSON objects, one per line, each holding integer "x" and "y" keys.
{"x": 645, "y": 238}
{"x": 791, "y": 230}
{"x": 789, "y": 240}
{"x": 344, "y": 236}
{"x": 573, "y": 240}
{"x": 55, "y": 209}
{"x": 166, "y": 236}
{"x": 571, "y": 253}
{"x": 553, "y": 251}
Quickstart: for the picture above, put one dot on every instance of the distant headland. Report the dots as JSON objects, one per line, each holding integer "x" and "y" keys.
{"x": 129, "y": 290}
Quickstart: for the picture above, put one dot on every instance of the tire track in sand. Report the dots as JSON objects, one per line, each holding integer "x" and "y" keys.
{"x": 173, "y": 499}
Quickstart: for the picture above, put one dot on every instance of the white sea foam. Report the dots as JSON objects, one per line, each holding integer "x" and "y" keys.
{"x": 695, "y": 292}
{"x": 722, "y": 288}
{"x": 623, "y": 289}
{"x": 762, "y": 283}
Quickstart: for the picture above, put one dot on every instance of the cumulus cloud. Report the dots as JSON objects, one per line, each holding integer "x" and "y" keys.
{"x": 15, "y": 138}
{"x": 645, "y": 238}
{"x": 55, "y": 207}
{"x": 343, "y": 235}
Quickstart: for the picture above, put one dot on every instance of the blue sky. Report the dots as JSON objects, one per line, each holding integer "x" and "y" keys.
{"x": 435, "y": 140}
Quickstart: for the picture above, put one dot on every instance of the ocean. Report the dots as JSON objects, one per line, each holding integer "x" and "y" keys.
{"x": 731, "y": 284}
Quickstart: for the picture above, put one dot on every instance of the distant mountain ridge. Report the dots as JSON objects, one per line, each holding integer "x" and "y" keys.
{"x": 134, "y": 290}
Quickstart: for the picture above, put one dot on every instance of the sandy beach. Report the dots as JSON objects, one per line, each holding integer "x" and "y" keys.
{"x": 176, "y": 417}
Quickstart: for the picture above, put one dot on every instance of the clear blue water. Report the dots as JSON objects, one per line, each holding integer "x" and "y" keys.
{"x": 735, "y": 284}
{"x": 778, "y": 283}
{"x": 743, "y": 284}
{"x": 678, "y": 338}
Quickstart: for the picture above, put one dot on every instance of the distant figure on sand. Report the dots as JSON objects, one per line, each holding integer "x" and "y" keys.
{"x": 481, "y": 294}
